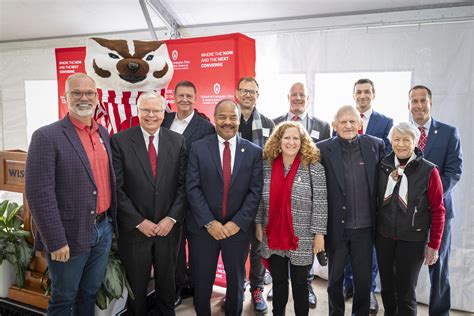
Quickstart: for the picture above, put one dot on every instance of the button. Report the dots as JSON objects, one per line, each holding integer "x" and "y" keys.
{"x": 92, "y": 212}
{"x": 343, "y": 207}
{"x": 95, "y": 192}
{"x": 342, "y": 221}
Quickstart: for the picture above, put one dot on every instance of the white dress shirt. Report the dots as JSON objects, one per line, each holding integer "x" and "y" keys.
{"x": 365, "y": 119}
{"x": 232, "y": 145}
{"x": 179, "y": 126}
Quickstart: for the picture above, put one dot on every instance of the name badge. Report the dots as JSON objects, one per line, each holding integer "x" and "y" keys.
{"x": 315, "y": 134}
{"x": 266, "y": 132}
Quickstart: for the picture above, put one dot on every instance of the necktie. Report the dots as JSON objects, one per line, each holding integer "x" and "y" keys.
{"x": 296, "y": 118}
{"x": 152, "y": 154}
{"x": 422, "y": 141}
{"x": 361, "y": 129}
{"x": 226, "y": 173}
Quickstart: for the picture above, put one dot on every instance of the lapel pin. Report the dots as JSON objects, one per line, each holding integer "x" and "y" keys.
{"x": 436, "y": 131}
{"x": 242, "y": 150}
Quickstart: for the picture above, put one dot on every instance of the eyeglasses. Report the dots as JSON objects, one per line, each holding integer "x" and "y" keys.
{"x": 78, "y": 95}
{"x": 249, "y": 92}
{"x": 148, "y": 111}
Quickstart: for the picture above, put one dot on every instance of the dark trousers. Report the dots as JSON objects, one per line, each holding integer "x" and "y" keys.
{"x": 183, "y": 273}
{"x": 257, "y": 270}
{"x": 299, "y": 287}
{"x": 75, "y": 283}
{"x": 440, "y": 294}
{"x": 399, "y": 265}
{"x": 204, "y": 253}
{"x": 348, "y": 273}
{"x": 357, "y": 244}
{"x": 138, "y": 258}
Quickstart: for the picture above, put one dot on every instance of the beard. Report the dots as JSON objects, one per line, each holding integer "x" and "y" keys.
{"x": 83, "y": 109}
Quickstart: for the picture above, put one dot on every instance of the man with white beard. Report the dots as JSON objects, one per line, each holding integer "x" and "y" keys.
{"x": 71, "y": 191}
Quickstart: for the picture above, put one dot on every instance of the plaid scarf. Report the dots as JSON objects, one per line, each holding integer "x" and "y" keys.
{"x": 257, "y": 133}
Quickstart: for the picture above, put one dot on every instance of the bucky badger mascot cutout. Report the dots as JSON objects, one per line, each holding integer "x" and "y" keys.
{"x": 122, "y": 70}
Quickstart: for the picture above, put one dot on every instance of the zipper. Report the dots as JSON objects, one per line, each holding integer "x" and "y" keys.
{"x": 413, "y": 217}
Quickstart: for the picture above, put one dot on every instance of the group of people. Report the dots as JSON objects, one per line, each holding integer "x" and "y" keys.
{"x": 376, "y": 198}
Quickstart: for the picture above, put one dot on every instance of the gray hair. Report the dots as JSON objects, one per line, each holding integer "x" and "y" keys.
{"x": 405, "y": 128}
{"x": 77, "y": 75}
{"x": 151, "y": 95}
{"x": 345, "y": 109}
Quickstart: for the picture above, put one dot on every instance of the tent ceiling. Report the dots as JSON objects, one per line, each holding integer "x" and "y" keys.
{"x": 35, "y": 19}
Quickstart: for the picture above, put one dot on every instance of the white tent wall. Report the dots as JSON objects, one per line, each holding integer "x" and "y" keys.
{"x": 439, "y": 56}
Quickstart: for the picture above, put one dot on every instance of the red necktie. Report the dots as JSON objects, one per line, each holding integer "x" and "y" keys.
{"x": 361, "y": 129}
{"x": 152, "y": 154}
{"x": 422, "y": 141}
{"x": 296, "y": 118}
{"x": 226, "y": 173}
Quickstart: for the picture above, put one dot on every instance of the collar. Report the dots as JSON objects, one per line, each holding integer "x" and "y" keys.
{"x": 80, "y": 125}
{"x": 301, "y": 117}
{"x": 426, "y": 126}
{"x": 232, "y": 141}
{"x": 145, "y": 133}
{"x": 343, "y": 141}
{"x": 367, "y": 113}
{"x": 186, "y": 119}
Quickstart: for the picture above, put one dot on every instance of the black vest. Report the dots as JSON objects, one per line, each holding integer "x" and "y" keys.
{"x": 392, "y": 220}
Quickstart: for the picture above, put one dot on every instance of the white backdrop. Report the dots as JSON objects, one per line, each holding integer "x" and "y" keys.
{"x": 440, "y": 56}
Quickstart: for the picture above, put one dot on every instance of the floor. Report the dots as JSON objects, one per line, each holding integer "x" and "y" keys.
{"x": 319, "y": 285}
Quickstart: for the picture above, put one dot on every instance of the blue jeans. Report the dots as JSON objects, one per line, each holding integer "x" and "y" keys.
{"x": 75, "y": 283}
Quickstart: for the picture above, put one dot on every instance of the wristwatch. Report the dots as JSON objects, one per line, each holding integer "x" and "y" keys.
{"x": 208, "y": 225}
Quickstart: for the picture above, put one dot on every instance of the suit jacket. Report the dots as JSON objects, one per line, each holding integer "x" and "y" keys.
{"x": 204, "y": 184}
{"x": 197, "y": 128}
{"x": 141, "y": 195}
{"x": 317, "y": 129}
{"x": 443, "y": 148}
{"x": 372, "y": 150}
{"x": 60, "y": 187}
{"x": 379, "y": 126}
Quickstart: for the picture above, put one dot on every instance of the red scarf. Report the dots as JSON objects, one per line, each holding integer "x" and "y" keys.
{"x": 279, "y": 230}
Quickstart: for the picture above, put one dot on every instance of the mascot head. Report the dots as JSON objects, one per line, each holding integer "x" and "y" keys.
{"x": 128, "y": 65}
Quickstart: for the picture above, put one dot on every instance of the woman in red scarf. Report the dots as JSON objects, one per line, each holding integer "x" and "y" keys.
{"x": 292, "y": 217}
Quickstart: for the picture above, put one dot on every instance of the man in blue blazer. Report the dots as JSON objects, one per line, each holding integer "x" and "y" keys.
{"x": 70, "y": 188}
{"x": 443, "y": 148}
{"x": 224, "y": 183}
{"x": 378, "y": 125}
{"x": 350, "y": 162}
{"x": 189, "y": 123}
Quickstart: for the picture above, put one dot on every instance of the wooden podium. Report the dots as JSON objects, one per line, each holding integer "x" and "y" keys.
{"x": 12, "y": 179}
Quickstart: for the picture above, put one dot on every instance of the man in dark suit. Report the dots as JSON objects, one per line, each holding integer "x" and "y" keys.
{"x": 189, "y": 123}
{"x": 317, "y": 129}
{"x": 150, "y": 164}
{"x": 441, "y": 145}
{"x": 256, "y": 128}
{"x": 378, "y": 125}
{"x": 224, "y": 183}
{"x": 350, "y": 161}
{"x": 70, "y": 188}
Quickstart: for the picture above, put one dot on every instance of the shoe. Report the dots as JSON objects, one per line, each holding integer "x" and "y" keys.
{"x": 348, "y": 292}
{"x": 270, "y": 294}
{"x": 179, "y": 297}
{"x": 374, "y": 305}
{"x": 267, "y": 279}
{"x": 312, "y": 297}
{"x": 259, "y": 304}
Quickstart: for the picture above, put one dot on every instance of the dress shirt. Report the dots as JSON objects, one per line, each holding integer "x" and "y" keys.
{"x": 426, "y": 126}
{"x": 179, "y": 126}
{"x": 302, "y": 119}
{"x": 365, "y": 119}
{"x": 232, "y": 145}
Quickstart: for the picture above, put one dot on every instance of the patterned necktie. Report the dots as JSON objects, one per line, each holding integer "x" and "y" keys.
{"x": 361, "y": 129}
{"x": 296, "y": 118}
{"x": 422, "y": 141}
{"x": 226, "y": 173}
{"x": 152, "y": 154}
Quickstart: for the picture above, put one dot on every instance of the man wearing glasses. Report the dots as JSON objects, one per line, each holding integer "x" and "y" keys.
{"x": 255, "y": 128}
{"x": 70, "y": 188}
{"x": 150, "y": 165}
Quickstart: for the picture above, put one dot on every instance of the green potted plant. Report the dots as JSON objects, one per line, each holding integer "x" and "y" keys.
{"x": 115, "y": 282}
{"x": 14, "y": 249}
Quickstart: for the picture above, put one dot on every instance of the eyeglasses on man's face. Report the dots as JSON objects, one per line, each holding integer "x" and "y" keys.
{"x": 249, "y": 92}
{"x": 79, "y": 94}
{"x": 150, "y": 111}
